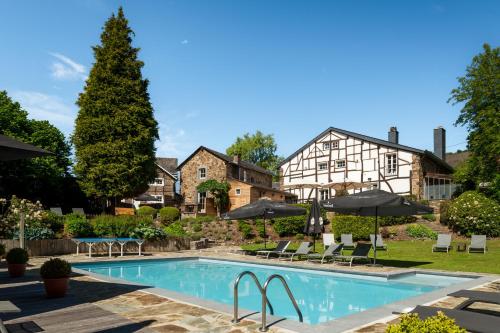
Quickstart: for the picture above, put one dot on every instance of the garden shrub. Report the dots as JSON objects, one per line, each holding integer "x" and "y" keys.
{"x": 299, "y": 237}
{"x": 148, "y": 233}
{"x": 35, "y": 233}
{"x": 175, "y": 230}
{"x": 53, "y": 221}
{"x": 443, "y": 212}
{"x": 197, "y": 227}
{"x": 259, "y": 224}
{"x": 474, "y": 213}
{"x": 429, "y": 217}
{"x": 411, "y": 323}
{"x": 17, "y": 256}
{"x": 245, "y": 229}
{"x": 395, "y": 220}
{"x": 55, "y": 268}
{"x": 9, "y": 223}
{"x": 202, "y": 219}
{"x": 146, "y": 211}
{"x": 294, "y": 224}
{"x": 118, "y": 226}
{"x": 169, "y": 214}
{"x": 359, "y": 226}
{"x": 420, "y": 231}
{"x": 77, "y": 225}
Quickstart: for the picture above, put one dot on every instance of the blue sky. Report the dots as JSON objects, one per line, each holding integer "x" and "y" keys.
{"x": 218, "y": 69}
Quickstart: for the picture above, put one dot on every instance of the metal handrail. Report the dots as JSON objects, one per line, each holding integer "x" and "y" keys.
{"x": 235, "y": 293}
{"x": 263, "y": 328}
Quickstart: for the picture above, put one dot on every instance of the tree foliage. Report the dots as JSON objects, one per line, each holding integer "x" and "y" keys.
{"x": 257, "y": 148}
{"x": 31, "y": 178}
{"x": 478, "y": 93}
{"x": 115, "y": 129}
{"x": 219, "y": 191}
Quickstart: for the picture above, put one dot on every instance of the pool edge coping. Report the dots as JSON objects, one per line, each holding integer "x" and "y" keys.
{"x": 347, "y": 323}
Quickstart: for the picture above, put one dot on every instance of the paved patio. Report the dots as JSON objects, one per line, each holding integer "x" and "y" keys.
{"x": 98, "y": 306}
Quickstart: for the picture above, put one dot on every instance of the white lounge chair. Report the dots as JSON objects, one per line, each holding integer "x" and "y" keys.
{"x": 301, "y": 251}
{"x": 78, "y": 211}
{"x": 346, "y": 239}
{"x": 443, "y": 243}
{"x": 328, "y": 239}
{"x": 477, "y": 244}
{"x": 280, "y": 248}
{"x": 56, "y": 210}
{"x": 380, "y": 242}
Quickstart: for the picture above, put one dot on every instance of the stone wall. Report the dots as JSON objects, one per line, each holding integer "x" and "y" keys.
{"x": 417, "y": 177}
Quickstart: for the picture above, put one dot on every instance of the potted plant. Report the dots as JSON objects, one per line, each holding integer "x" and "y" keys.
{"x": 55, "y": 273}
{"x": 16, "y": 261}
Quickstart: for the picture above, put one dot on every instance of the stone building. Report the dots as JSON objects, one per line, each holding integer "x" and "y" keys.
{"x": 337, "y": 159}
{"x": 248, "y": 181}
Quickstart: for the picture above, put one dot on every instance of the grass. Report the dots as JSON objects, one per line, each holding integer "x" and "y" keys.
{"x": 417, "y": 254}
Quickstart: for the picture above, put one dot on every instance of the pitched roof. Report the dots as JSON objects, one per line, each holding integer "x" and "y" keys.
{"x": 167, "y": 164}
{"x": 455, "y": 159}
{"x": 227, "y": 159}
{"x": 369, "y": 139}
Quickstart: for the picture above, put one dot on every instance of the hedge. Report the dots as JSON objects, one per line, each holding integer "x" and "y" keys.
{"x": 411, "y": 323}
{"x": 420, "y": 231}
{"x": 77, "y": 225}
{"x": 146, "y": 211}
{"x": 359, "y": 226}
{"x": 474, "y": 213}
{"x": 118, "y": 226}
{"x": 245, "y": 229}
{"x": 294, "y": 224}
{"x": 169, "y": 214}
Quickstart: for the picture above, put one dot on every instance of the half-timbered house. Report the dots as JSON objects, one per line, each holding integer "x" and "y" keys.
{"x": 338, "y": 160}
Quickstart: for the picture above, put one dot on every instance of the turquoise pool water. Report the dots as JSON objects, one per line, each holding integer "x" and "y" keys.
{"x": 321, "y": 296}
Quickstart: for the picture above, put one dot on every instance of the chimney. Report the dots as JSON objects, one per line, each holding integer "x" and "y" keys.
{"x": 236, "y": 159}
{"x": 393, "y": 135}
{"x": 440, "y": 143}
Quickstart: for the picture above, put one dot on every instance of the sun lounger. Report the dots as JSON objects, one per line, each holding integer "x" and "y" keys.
{"x": 328, "y": 239}
{"x": 330, "y": 253}
{"x": 360, "y": 252}
{"x": 56, "y": 210}
{"x": 78, "y": 211}
{"x": 280, "y": 248}
{"x": 474, "y": 296}
{"x": 346, "y": 239}
{"x": 443, "y": 243}
{"x": 471, "y": 321}
{"x": 7, "y": 307}
{"x": 380, "y": 242}
{"x": 301, "y": 251}
{"x": 477, "y": 244}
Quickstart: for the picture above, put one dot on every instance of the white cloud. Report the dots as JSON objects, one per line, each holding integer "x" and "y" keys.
{"x": 65, "y": 68}
{"x": 47, "y": 107}
{"x": 171, "y": 143}
{"x": 184, "y": 42}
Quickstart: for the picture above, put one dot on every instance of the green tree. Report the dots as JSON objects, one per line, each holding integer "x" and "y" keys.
{"x": 257, "y": 148}
{"x": 32, "y": 178}
{"x": 219, "y": 190}
{"x": 115, "y": 129}
{"x": 479, "y": 94}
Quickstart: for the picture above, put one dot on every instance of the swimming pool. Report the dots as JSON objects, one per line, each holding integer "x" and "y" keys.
{"x": 322, "y": 296}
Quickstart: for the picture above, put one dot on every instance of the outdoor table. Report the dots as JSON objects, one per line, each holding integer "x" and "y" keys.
{"x": 123, "y": 241}
{"x": 110, "y": 241}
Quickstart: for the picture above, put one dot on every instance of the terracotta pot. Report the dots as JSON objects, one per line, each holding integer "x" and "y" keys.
{"x": 56, "y": 287}
{"x": 16, "y": 270}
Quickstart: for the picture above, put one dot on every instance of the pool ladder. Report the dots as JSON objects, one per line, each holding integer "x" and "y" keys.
{"x": 265, "y": 300}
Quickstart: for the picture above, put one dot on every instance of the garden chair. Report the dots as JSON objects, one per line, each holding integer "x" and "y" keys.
{"x": 301, "y": 251}
{"x": 78, "y": 211}
{"x": 280, "y": 248}
{"x": 443, "y": 243}
{"x": 474, "y": 296}
{"x": 330, "y": 253}
{"x": 380, "y": 242}
{"x": 346, "y": 239}
{"x": 56, "y": 210}
{"x": 477, "y": 244}
{"x": 328, "y": 239}
{"x": 360, "y": 252}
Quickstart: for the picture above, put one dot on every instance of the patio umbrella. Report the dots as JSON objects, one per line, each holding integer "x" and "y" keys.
{"x": 264, "y": 208}
{"x": 146, "y": 197}
{"x": 314, "y": 222}
{"x": 375, "y": 203}
{"x": 12, "y": 149}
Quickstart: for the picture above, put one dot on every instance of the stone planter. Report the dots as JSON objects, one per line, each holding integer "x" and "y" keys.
{"x": 56, "y": 287}
{"x": 16, "y": 270}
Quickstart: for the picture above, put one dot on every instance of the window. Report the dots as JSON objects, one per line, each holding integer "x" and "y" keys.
{"x": 330, "y": 145}
{"x": 238, "y": 191}
{"x": 391, "y": 166}
{"x": 159, "y": 197}
{"x": 202, "y": 198}
{"x": 438, "y": 188}
{"x": 340, "y": 163}
{"x": 323, "y": 195}
{"x": 326, "y": 146}
{"x": 322, "y": 166}
{"x": 202, "y": 173}
{"x": 157, "y": 182}
{"x": 334, "y": 145}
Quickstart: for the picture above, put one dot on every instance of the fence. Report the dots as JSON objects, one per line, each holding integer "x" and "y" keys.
{"x": 50, "y": 247}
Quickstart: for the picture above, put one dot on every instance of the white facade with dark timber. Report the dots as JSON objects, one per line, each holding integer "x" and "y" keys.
{"x": 338, "y": 159}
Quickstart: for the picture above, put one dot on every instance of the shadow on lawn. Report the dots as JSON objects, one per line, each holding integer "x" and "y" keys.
{"x": 401, "y": 263}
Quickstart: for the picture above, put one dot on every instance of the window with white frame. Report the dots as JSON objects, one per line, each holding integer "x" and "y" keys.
{"x": 326, "y": 145}
{"x": 322, "y": 166}
{"x": 238, "y": 191}
{"x": 202, "y": 173}
{"x": 323, "y": 195}
{"x": 340, "y": 163}
{"x": 202, "y": 198}
{"x": 334, "y": 145}
{"x": 391, "y": 164}
{"x": 157, "y": 182}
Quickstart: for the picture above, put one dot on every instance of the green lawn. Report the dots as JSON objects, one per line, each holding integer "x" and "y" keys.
{"x": 417, "y": 254}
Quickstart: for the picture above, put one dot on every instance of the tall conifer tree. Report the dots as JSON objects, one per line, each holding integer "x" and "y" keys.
{"x": 115, "y": 128}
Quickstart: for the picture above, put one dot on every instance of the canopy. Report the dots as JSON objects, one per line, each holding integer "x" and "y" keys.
{"x": 375, "y": 203}
{"x": 314, "y": 224}
{"x": 264, "y": 208}
{"x": 146, "y": 197}
{"x": 12, "y": 149}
